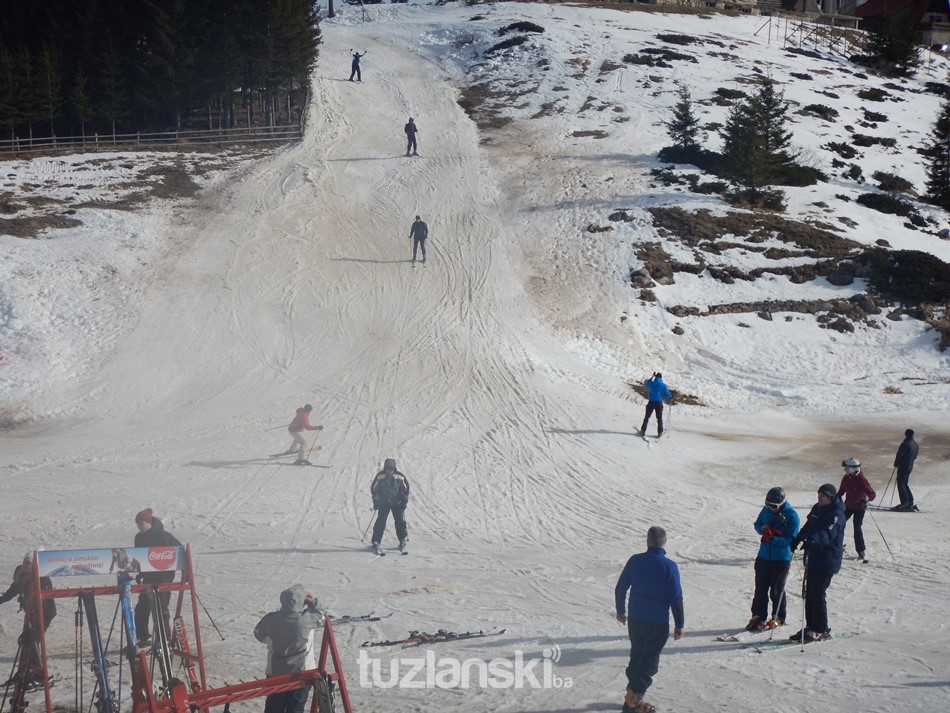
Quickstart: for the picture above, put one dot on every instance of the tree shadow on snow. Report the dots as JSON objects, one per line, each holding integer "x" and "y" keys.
{"x": 375, "y": 262}
{"x": 591, "y": 431}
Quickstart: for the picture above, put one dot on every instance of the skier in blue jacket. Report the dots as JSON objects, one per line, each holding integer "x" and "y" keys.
{"x": 823, "y": 538}
{"x": 654, "y": 584}
{"x": 776, "y": 524}
{"x": 657, "y": 392}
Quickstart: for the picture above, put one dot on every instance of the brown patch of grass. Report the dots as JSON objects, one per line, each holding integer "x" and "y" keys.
{"x": 679, "y": 397}
{"x": 31, "y": 227}
{"x": 596, "y": 133}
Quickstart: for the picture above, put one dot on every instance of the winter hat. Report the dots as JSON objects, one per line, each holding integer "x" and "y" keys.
{"x": 144, "y": 516}
{"x": 909, "y": 433}
{"x": 307, "y": 407}
{"x": 828, "y": 490}
{"x": 390, "y": 463}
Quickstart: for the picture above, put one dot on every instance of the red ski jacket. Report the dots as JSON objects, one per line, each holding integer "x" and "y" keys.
{"x": 853, "y": 488}
{"x": 301, "y": 421}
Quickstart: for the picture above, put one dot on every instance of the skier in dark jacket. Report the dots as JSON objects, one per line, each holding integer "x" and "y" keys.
{"x": 776, "y": 524}
{"x": 418, "y": 234}
{"x": 288, "y": 634}
{"x": 823, "y": 538}
{"x": 152, "y": 533}
{"x": 657, "y": 392}
{"x": 355, "y": 67}
{"x": 653, "y": 581}
{"x": 411, "y": 131}
{"x": 30, "y": 640}
{"x": 390, "y": 491}
{"x": 904, "y": 462}
{"x": 857, "y": 493}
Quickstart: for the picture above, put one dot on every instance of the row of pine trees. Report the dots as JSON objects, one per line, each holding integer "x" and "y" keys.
{"x": 72, "y": 68}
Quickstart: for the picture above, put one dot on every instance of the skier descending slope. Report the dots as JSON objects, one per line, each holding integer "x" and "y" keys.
{"x": 390, "y": 491}
{"x": 657, "y": 393}
{"x": 296, "y": 428}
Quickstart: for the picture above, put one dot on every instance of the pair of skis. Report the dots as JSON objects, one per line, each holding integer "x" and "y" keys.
{"x": 420, "y": 638}
{"x": 351, "y": 619}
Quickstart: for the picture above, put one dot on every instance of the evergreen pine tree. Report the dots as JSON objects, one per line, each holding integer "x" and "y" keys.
{"x": 937, "y": 153}
{"x": 684, "y": 126}
{"x": 893, "y": 48}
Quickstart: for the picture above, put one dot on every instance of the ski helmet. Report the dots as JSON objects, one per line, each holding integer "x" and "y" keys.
{"x": 775, "y": 497}
{"x": 852, "y": 465}
{"x": 308, "y": 408}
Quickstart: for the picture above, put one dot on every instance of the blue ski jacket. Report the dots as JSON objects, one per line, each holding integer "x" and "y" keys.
{"x": 654, "y": 583}
{"x": 782, "y": 527}
{"x": 823, "y": 535}
{"x": 657, "y": 389}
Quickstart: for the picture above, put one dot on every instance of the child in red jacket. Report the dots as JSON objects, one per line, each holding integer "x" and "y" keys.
{"x": 856, "y": 492}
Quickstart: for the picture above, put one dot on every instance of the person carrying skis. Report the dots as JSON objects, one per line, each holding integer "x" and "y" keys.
{"x": 390, "y": 491}
{"x": 654, "y": 584}
{"x": 418, "y": 234}
{"x": 152, "y": 533}
{"x": 411, "y": 131}
{"x": 904, "y": 462}
{"x": 776, "y": 524}
{"x": 823, "y": 538}
{"x": 288, "y": 634}
{"x": 657, "y": 392}
{"x": 857, "y": 492}
{"x": 296, "y": 428}
{"x": 355, "y": 66}
{"x": 30, "y": 640}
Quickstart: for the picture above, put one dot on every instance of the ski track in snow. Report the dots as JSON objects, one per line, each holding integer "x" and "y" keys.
{"x": 497, "y": 376}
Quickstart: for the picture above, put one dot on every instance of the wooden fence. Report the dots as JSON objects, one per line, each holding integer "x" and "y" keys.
{"x": 168, "y": 140}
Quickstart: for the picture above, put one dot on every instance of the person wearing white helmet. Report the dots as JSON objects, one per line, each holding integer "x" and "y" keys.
{"x": 856, "y": 492}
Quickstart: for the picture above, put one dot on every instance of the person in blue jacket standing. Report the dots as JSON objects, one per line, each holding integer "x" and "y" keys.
{"x": 653, "y": 581}
{"x": 657, "y": 393}
{"x": 823, "y": 538}
{"x": 776, "y": 524}
{"x": 355, "y": 66}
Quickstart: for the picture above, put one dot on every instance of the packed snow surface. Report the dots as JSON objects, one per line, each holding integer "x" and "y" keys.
{"x": 153, "y": 357}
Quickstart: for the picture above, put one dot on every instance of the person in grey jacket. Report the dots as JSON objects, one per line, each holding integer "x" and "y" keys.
{"x": 288, "y": 634}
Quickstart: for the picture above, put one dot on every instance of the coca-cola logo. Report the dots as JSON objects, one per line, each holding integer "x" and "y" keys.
{"x": 161, "y": 557}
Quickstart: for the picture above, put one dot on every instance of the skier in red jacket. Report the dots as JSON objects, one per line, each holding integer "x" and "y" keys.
{"x": 296, "y": 428}
{"x": 856, "y": 492}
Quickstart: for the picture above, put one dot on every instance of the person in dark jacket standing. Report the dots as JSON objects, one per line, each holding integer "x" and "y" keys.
{"x": 653, "y": 581}
{"x": 418, "y": 234}
{"x": 30, "y": 640}
{"x": 355, "y": 67}
{"x": 776, "y": 524}
{"x": 390, "y": 491}
{"x": 904, "y": 462}
{"x": 288, "y": 634}
{"x": 857, "y": 493}
{"x": 300, "y": 423}
{"x": 823, "y": 538}
{"x": 152, "y": 533}
{"x": 411, "y": 131}
{"x": 657, "y": 392}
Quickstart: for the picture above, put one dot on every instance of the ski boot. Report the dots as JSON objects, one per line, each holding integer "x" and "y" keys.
{"x": 377, "y": 548}
{"x": 302, "y": 461}
{"x": 755, "y": 625}
{"x": 634, "y": 703}
{"x": 404, "y": 546}
{"x": 773, "y": 624}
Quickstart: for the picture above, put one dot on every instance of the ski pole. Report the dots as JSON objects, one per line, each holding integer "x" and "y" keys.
{"x": 881, "y": 533}
{"x": 669, "y": 421}
{"x": 313, "y": 445}
{"x": 884, "y": 494}
{"x": 804, "y": 595}
{"x": 363, "y": 536}
{"x": 273, "y": 429}
{"x": 777, "y": 610}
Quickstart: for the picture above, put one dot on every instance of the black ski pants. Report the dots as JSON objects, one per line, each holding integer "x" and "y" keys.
{"x": 143, "y": 610}
{"x": 355, "y": 72}
{"x": 647, "y": 640}
{"x": 858, "y": 528}
{"x": 419, "y": 243}
{"x": 816, "y": 606}
{"x": 770, "y": 577}
{"x": 653, "y": 407}
{"x": 903, "y": 488}
{"x": 399, "y": 519}
{"x": 288, "y": 701}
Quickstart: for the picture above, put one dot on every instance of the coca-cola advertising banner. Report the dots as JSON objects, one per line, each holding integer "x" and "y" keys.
{"x": 70, "y": 563}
